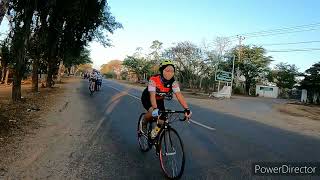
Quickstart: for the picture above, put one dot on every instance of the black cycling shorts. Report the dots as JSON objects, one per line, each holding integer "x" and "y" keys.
{"x": 145, "y": 99}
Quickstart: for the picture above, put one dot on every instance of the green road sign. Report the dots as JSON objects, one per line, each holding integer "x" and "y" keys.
{"x": 224, "y": 76}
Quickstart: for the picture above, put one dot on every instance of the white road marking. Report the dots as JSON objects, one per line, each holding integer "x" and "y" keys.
{"x": 191, "y": 120}
{"x": 202, "y": 125}
{"x": 127, "y": 93}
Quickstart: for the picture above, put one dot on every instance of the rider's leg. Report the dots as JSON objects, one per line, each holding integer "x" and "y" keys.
{"x": 92, "y": 85}
{"x": 160, "y": 104}
{"x": 155, "y": 131}
{"x": 147, "y": 105}
{"x": 147, "y": 118}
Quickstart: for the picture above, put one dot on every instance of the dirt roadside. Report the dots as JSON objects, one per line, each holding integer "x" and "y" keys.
{"x": 37, "y": 135}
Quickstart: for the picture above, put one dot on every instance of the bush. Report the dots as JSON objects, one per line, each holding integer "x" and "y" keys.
{"x": 252, "y": 92}
{"x": 237, "y": 90}
{"x": 110, "y": 75}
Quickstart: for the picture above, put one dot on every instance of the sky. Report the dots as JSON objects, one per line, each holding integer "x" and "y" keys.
{"x": 172, "y": 21}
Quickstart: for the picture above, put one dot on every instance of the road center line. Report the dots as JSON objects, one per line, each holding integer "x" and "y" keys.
{"x": 126, "y": 93}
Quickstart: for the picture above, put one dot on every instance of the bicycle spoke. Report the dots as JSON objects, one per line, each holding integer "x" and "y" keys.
{"x": 174, "y": 166}
{"x": 172, "y": 154}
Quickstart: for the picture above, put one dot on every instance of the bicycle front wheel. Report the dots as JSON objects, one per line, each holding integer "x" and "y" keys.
{"x": 171, "y": 154}
{"x": 142, "y": 136}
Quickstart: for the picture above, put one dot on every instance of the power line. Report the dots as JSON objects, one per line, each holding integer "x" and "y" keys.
{"x": 290, "y": 43}
{"x": 285, "y": 29}
{"x": 295, "y": 50}
{"x": 280, "y": 29}
{"x": 287, "y": 32}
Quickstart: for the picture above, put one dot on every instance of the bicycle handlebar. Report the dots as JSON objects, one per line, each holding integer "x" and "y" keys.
{"x": 171, "y": 112}
{"x": 174, "y": 112}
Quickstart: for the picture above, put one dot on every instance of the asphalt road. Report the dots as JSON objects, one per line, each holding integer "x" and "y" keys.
{"x": 224, "y": 148}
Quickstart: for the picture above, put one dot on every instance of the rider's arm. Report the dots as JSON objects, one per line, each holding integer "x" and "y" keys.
{"x": 181, "y": 100}
{"x": 177, "y": 92}
{"x": 153, "y": 100}
{"x": 152, "y": 91}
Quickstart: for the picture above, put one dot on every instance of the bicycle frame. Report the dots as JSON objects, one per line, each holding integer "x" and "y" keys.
{"x": 166, "y": 125}
{"x": 160, "y": 141}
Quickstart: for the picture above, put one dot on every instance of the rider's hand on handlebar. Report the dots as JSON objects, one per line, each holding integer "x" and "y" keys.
{"x": 187, "y": 113}
{"x": 155, "y": 113}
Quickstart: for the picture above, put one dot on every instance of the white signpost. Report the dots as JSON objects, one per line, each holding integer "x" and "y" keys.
{"x": 227, "y": 78}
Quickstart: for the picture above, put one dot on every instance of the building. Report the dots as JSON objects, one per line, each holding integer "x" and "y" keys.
{"x": 267, "y": 91}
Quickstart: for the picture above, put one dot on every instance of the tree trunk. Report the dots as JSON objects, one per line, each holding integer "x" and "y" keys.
{"x": 20, "y": 42}
{"x": 18, "y": 71}
{"x": 69, "y": 71}
{"x": 3, "y": 72}
{"x": 16, "y": 88}
{"x": 60, "y": 72}
{"x": 7, "y": 76}
{"x": 2, "y": 75}
{"x": 248, "y": 83}
{"x": 73, "y": 70}
{"x": 200, "y": 86}
{"x": 49, "y": 74}
{"x": 35, "y": 80}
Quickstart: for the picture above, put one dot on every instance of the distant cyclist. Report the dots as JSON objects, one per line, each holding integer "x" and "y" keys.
{"x": 93, "y": 79}
{"x": 159, "y": 87}
{"x": 99, "y": 81}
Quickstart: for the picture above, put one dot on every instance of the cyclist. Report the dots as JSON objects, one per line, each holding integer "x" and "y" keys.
{"x": 93, "y": 79}
{"x": 99, "y": 81}
{"x": 159, "y": 86}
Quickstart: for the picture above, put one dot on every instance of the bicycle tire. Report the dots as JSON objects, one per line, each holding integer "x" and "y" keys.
{"x": 141, "y": 135}
{"x": 161, "y": 154}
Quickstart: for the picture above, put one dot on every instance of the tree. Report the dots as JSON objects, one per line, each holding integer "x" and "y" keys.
{"x": 253, "y": 62}
{"x": 311, "y": 82}
{"x": 23, "y": 12}
{"x": 140, "y": 66}
{"x": 156, "y": 51}
{"x": 189, "y": 61}
{"x": 48, "y": 32}
{"x": 113, "y": 67}
{"x": 6, "y": 61}
{"x": 221, "y": 44}
{"x": 83, "y": 58}
{"x": 285, "y": 75}
{"x": 271, "y": 75}
{"x": 214, "y": 62}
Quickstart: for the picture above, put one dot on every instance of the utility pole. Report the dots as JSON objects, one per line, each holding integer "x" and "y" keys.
{"x": 233, "y": 58}
{"x": 239, "y": 55}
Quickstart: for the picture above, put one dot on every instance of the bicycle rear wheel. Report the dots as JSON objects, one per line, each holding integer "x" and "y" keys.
{"x": 171, "y": 154}
{"x": 143, "y": 136}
